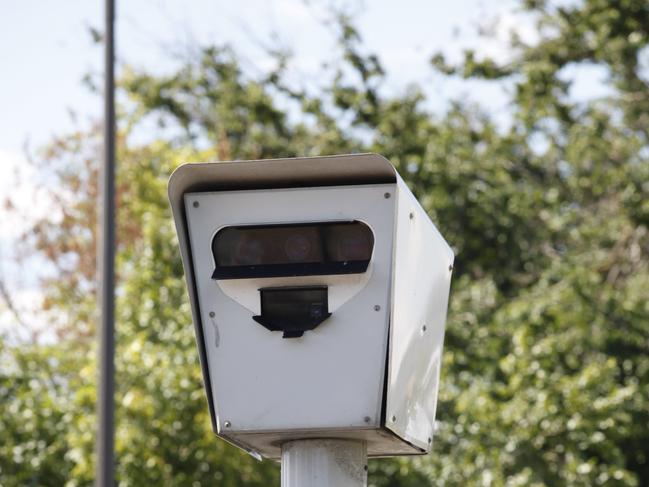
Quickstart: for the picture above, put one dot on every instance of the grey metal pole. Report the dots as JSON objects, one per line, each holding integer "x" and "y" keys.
{"x": 324, "y": 463}
{"x": 105, "y": 476}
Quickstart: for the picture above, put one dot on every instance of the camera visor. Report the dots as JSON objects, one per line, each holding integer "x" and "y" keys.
{"x": 301, "y": 249}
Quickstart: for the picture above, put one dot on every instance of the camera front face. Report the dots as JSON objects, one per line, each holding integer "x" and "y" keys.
{"x": 293, "y": 291}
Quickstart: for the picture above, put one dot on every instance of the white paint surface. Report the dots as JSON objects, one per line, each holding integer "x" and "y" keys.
{"x": 421, "y": 286}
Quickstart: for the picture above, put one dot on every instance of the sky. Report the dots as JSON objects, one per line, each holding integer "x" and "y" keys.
{"x": 46, "y": 50}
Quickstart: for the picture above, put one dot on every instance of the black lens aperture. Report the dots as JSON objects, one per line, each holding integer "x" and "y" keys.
{"x": 292, "y": 250}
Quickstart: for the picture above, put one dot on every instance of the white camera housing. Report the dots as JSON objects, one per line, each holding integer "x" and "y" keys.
{"x": 369, "y": 370}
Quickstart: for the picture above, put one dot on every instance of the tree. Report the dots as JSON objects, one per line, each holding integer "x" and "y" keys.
{"x": 546, "y": 364}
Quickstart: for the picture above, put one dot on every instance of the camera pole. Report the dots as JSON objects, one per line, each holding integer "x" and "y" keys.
{"x": 104, "y": 473}
{"x": 324, "y": 463}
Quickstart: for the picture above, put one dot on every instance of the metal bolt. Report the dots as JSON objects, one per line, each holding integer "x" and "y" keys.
{"x": 212, "y": 314}
{"x": 196, "y": 204}
{"x": 377, "y": 308}
{"x": 367, "y": 419}
{"x": 227, "y": 424}
{"x": 412, "y": 215}
{"x": 450, "y": 267}
{"x": 423, "y": 328}
{"x": 386, "y": 195}
{"x": 394, "y": 419}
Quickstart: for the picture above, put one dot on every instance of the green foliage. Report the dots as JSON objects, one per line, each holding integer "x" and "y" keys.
{"x": 546, "y": 364}
{"x": 35, "y": 415}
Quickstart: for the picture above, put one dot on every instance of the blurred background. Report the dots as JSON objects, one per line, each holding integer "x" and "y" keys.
{"x": 521, "y": 125}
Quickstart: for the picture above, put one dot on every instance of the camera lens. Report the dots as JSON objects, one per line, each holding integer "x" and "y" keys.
{"x": 249, "y": 252}
{"x": 317, "y": 311}
{"x": 298, "y": 248}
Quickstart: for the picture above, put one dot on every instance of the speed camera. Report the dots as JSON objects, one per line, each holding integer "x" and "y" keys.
{"x": 319, "y": 290}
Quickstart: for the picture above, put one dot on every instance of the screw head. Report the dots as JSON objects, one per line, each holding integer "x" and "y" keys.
{"x": 393, "y": 418}
{"x": 412, "y": 215}
{"x": 377, "y": 308}
{"x": 367, "y": 419}
{"x": 430, "y": 440}
{"x": 423, "y": 328}
{"x": 196, "y": 204}
{"x": 227, "y": 424}
{"x": 212, "y": 314}
{"x": 386, "y": 195}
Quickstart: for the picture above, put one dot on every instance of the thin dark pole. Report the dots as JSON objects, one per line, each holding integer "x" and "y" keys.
{"x": 105, "y": 476}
